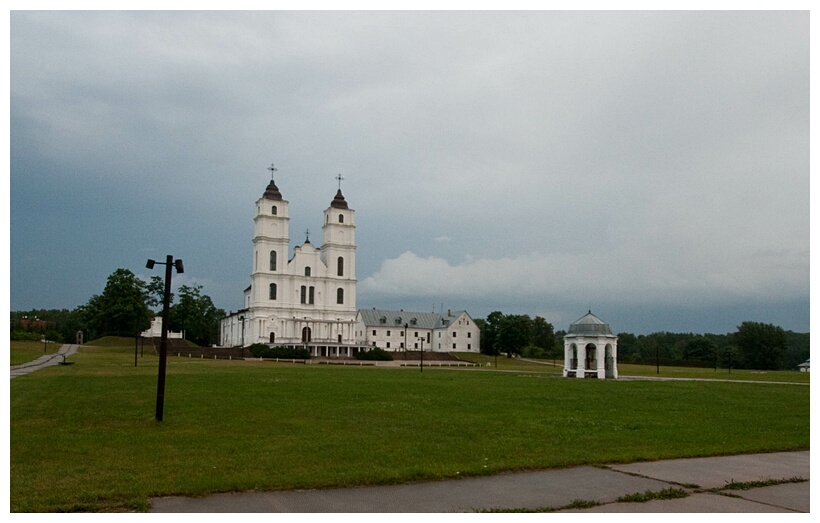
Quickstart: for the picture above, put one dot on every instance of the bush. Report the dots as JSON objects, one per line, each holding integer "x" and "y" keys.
{"x": 260, "y": 350}
{"x": 17, "y": 335}
{"x": 375, "y": 354}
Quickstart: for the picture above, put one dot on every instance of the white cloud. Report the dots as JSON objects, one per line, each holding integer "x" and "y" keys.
{"x": 616, "y": 275}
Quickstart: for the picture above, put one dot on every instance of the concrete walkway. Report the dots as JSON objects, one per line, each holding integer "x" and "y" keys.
{"x": 47, "y": 360}
{"x": 704, "y": 479}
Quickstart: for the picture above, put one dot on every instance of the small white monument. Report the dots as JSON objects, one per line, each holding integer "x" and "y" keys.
{"x": 590, "y": 349}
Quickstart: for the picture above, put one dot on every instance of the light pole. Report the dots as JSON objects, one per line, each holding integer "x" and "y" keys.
{"x": 163, "y": 346}
{"x": 421, "y": 366}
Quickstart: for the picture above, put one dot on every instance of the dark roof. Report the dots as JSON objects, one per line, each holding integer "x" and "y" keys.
{"x": 339, "y": 201}
{"x": 421, "y": 320}
{"x": 272, "y": 192}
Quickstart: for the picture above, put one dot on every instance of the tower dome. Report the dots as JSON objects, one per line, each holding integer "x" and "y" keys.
{"x": 272, "y": 192}
{"x": 590, "y": 325}
{"x": 339, "y": 201}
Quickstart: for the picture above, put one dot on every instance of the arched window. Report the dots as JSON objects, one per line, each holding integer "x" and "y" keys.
{"x": 341, "y": 218}
{"x": 310, "y": 295}
{"x": 340, "y": 295}
{"x": 273, "y": 260}
{"x": 307, "y": 271}
{"x": 303, "y": 295}
{"x": 273, "y": 210}
{"x": 340, "y": 266}
{"x": 272, "y": 291}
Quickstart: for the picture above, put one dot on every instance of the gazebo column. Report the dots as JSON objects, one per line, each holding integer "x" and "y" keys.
{"x": 600, "y": 355}
{"x": 582, "y": 359}
{"x": 567, "y": 358}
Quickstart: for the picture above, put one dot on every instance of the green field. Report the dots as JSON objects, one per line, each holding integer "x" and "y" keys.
{"x": 26, "y": 351}
{"x": 83, "y": 437}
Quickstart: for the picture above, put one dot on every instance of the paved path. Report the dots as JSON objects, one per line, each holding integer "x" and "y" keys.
{"x": 47, "y": 360}
{"x": 704, "y": 479}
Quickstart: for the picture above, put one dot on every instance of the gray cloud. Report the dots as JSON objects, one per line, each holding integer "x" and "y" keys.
{"x": 657, "y": 156}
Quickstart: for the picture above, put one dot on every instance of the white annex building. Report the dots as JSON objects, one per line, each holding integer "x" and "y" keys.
{"x": 590, "y": 349}
{"x": 309, "y": 299}
{"x": 402, "y": 330}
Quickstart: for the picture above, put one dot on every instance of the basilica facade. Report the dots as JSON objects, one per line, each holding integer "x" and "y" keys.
{"x": 308, "y": 299}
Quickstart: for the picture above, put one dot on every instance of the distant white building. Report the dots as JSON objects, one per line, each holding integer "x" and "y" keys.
{"x": 804, "y": 367}
{"x": 309, "y": 299}
{"x": 155, "y": 331}
{"x": 405, "y": 330}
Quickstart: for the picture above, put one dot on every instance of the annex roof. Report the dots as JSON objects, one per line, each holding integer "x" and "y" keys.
{"x": 422, "y": 320}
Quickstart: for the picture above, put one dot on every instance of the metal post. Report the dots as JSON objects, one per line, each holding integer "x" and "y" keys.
{"x": 421, "y": 366}
{"x": 163, "y": 345}
{"x": 657, "y": 360}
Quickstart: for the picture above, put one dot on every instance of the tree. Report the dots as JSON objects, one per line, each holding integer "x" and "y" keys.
{"x": 196, "y": 315}
{"x": 700, "y": 351}
{"x": 761, "y": 345}
{"x": 489, "y": 332}
{"x": 514, "y": 333}
{"x": 542, "y": 334}
{"x": 121, "y": 309}
{"x": 156, "y": 292}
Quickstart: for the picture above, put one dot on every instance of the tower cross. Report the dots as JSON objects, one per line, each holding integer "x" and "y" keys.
{"x": 339, "y": 178}
{"x": 272, "y": 170}
{"x": 307, "y": 235}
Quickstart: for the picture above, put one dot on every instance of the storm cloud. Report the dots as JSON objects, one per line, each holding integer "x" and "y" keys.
{"x": 652, "y": 166}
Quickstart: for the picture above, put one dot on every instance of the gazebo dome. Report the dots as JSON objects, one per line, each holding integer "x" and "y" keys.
{"x": 590, "y": 325}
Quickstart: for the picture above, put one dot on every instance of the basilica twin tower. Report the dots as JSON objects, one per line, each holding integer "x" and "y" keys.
{"x": 309, "y": 298}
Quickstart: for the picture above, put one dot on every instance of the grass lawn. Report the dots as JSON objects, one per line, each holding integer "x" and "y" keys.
{"x": 26, "y": 351}
{"x": 84, "y": 437}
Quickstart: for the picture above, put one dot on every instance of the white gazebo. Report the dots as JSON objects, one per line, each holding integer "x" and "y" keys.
{"x": 590, "y": 349}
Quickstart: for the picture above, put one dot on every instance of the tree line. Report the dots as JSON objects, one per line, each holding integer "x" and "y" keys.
{"x": 125, "y": 308}
{"x": 753, "y": 346}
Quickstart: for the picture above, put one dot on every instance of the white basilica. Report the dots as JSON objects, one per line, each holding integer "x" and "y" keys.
{"x": 307, "y": 300}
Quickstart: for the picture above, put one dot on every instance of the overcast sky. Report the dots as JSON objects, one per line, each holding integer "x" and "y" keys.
{"x": 650, "y": 166}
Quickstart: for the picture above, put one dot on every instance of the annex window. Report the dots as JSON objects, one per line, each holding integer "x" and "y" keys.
{"x": 273, "y": 260}
{"x": 340, "y": 295}
{"x": 454, "y": 346}
{"x": 388, "y": 333}
{"x": 469, "y": 334}
{"x": 374, "y": 333}
{"x": 272, "y": 291}
{"x": 454, "y": 334}
{"x": 340, "y": 266}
